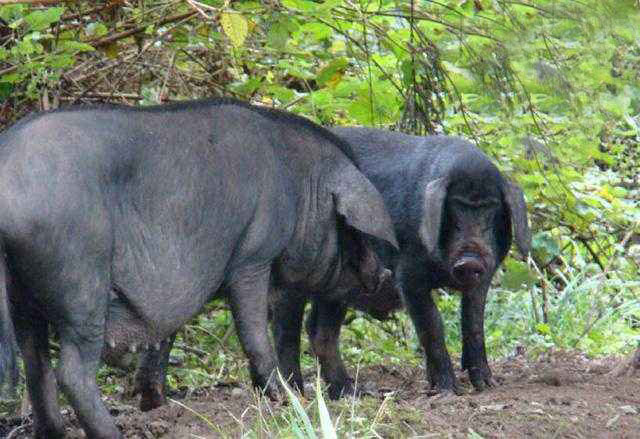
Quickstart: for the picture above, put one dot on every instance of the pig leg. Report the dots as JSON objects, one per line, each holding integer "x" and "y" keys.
{"x": 474, "y": 355}
{"x": 151, "y": 376}
{"x": 81, "y": 303}
{"x": 323, "y": 327}
{"x": 428, "y": 323}
{"x": 33, "y": 338}
{"x": 248, "y": 297}
{"x": 287, "y": 314}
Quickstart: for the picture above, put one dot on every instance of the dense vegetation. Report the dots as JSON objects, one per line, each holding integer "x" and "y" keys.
{"x": 549, "y": 89}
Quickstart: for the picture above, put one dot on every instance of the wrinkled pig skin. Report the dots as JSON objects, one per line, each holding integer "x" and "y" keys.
{"x": 164, "y": 207}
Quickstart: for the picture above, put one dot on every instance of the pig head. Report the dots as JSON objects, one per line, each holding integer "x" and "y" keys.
{"x": 469, "y": 224}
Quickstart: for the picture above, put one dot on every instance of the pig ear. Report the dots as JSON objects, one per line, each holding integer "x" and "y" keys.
{"x": 517, "y": 210}
{"x": 432, "y": 212}
{"x": 360, "y": 204}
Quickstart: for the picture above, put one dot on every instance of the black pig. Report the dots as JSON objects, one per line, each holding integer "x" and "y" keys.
{"x": 455, "y": 216}
{"x": 164, "y": 207}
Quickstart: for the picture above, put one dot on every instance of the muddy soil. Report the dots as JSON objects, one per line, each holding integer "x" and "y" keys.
{"x": 562, "y": 395}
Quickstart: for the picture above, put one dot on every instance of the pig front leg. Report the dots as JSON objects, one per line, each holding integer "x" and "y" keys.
{"x": 287, "y": 314}
{"x": 323, "y": 328}
{"x": 428, "y": 324}
{"x": 474, "y": 356}
{"x": 248, "y": 296}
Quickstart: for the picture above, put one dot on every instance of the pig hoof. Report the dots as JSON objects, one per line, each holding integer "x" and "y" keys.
{"x": 441, "y": 391}
{"x": 481, "y": 378}
{"x": 111, "y": 343}
{"x": 152, "y": 398}
{"x": 156, "y": 346}
{"x": 133, "y": 348}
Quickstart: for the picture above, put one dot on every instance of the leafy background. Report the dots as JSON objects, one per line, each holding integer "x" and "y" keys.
{"x": 549, "y": 89}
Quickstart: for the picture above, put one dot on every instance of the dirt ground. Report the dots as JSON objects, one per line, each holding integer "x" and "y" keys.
{"x": 562, "y": 395}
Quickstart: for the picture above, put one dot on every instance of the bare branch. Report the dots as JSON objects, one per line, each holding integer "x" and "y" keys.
{"x": 119, "y": 36}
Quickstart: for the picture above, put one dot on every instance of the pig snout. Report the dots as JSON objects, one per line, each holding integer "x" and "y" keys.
{"x": 468, "y": 269}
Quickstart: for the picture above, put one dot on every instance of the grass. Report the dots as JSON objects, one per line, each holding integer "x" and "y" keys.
{"x": 316, "y": 418}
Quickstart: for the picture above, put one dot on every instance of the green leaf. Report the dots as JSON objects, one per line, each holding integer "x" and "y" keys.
{"x": 5, "y": 90}
{"x": 517, "y": 275}
{"x": 75, "y": 47}
{"x": 278, "y": 35}
{"x": 235, "y": 26}
{"x": 12, "y": 78}
{"x": 248, "y": 87}
{"x": 301, "y": 5}
{"x": 26, "y": 47}
{"x": 545, "y": 247}
{"x": 319, "y": 31}
{"x": 60, "y": 61}
{"x": 279, "y": 92}
{"x": 543, "y": 328}
{"x": 326, "y": 425}
{"x": 40, "y": 20}
{"x": 329, "y": 72}
{"x": 11, "y": 12}
{"x": 96, "y": 30}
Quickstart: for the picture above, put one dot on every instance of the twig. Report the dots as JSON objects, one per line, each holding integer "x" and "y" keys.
{"x": 125, "y": 34}
{"x": 116, "y": 84}
{"x": 197, "y": 4}
{"x": 200, "y": 7}
{"x": 36, "y": 2}
{"x": 107, "y": 6}
{"x": 163, "y": 89}
{"x": 592, "y": 252}
{"x": 109, "y": 66}
{"x": 191, "y": 350}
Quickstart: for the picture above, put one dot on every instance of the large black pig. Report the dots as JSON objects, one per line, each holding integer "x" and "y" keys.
{"x": 163, "y": 207}
{"x": 454, "y": 216}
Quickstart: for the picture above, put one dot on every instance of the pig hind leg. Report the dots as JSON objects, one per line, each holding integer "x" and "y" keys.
{"x": 33, "y": 338}
{"x": 80, "y": 307}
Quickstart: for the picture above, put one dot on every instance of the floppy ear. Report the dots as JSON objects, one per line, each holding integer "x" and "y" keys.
{"x": 432, "y": 212}
{"x": 517, "y": 210}
{"x": 360, "y": 204}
